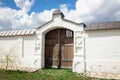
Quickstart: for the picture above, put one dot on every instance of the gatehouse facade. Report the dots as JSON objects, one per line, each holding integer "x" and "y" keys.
{"x": 92, "y": 49}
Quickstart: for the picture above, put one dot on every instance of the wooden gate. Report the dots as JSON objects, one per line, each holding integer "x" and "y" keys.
{"x": 59, "y": 48}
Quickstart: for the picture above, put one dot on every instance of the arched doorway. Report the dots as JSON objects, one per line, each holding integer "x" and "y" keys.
{"x": 59, "y": 48}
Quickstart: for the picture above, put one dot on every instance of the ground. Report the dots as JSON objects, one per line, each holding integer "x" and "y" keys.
{"x": 45, "y": 74}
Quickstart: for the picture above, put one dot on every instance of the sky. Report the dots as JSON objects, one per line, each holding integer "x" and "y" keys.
{"x": 27, "y": 14}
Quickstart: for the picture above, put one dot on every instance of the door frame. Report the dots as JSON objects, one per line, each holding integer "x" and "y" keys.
{"x": 79, "y": 63}
{"x": 59, "y": 45}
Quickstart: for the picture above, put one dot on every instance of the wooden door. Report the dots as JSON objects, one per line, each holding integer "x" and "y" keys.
{"x": 59, "y": 49}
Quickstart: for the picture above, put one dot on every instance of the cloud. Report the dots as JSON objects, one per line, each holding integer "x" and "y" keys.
{"x": 25, "y": 5}
{"x": 5, "y": 24}
{"x": 86, "y": 11}
{"x": 36, "y": 19}
{"x": 94, "y": 11}
{"x": 17, "y": 19}
{"x": 5, "y": 20}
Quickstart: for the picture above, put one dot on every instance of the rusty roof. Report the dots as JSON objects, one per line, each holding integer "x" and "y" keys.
{"x": 103, "y": 25}
{"x": 17, "y": 32}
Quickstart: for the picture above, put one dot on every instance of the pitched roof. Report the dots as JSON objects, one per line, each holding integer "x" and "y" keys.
{"x": 103, "y": 25}
{"x": 17, "y": 32}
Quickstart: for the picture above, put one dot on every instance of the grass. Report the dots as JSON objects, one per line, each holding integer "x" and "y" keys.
{"x": 45, "y": 74}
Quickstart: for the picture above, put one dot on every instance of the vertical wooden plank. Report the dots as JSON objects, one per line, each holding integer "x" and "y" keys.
{"x": 67, "y": 49}
{"x": 59, "y": 48}
{"x": 51, "y": 50}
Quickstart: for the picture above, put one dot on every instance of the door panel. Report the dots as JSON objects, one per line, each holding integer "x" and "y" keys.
{"x": 67, "y": 54}
{"x": 55, "y": 40}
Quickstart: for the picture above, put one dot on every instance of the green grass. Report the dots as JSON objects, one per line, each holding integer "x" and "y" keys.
{"x": 45, "y": 74}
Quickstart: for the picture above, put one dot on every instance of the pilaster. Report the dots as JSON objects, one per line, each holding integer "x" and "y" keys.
{"x": 79, "y": 56}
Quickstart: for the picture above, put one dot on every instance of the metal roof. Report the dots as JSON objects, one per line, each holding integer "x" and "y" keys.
{"x": 103, "y": 25}
{"x": 17, "y": 32}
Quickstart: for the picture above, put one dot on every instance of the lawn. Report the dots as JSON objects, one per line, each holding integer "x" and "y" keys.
{"x": 45, "y": 74}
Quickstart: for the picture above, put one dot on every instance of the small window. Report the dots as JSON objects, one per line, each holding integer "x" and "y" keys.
{"x": 69, "y": 33}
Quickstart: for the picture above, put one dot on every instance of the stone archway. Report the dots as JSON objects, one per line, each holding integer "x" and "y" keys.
{"x": 59, "y": 48}
{"x": 57, "y": 22}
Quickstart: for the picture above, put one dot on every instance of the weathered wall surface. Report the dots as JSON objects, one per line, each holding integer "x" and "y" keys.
{"x": 102, "y": 50}
{"x": 18, "y": 52}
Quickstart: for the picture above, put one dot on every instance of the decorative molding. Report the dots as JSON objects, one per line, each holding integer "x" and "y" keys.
{"x": 37, "y": 46}
{"x": 37, "y": 43}
{"x": 79, "y": 34}
{"x": 79, "y": 66}
{"x": 77, "y": 49}
{"x": 79, "y": 43}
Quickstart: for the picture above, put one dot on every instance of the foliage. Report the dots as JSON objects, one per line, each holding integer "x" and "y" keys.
{"x": 45, "y": 74}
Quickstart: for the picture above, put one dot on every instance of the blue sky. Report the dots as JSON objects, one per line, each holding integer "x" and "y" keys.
{"x": 24, "y": 14}
{"x": 41, "y": 5}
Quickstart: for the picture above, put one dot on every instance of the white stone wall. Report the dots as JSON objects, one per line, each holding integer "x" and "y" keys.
{"x": 20, "y": 52}
{"x": 102, "y": 51}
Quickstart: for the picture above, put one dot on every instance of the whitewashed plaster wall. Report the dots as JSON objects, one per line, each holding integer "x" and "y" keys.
{"x": 21, "y": 51}
{"x": 102, "y": 51}
{"x": 30, "y": 57}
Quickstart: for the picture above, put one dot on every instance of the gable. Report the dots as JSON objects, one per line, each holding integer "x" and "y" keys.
{"x": 58, "y": 21}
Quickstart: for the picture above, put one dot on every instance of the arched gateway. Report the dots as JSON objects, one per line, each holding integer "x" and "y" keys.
{"x": 59, "y": 48}
{"x": 60, "y": 43}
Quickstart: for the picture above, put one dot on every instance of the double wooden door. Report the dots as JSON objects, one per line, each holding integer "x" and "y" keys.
{"x": 59, "y": 48}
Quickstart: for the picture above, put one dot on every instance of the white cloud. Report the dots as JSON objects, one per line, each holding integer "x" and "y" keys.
{"x": 25, "y": 5}
{"x": 84, "y": 7}
{"x": 40, "y": 18}
{"x": 0, "y": 27}
{"x": 64, "y": 8}
{"x": 17, "y": 19}
{"x": 85, "y": 11}
{"x": 94, "y": 11}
